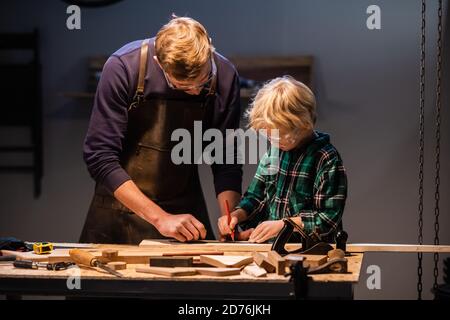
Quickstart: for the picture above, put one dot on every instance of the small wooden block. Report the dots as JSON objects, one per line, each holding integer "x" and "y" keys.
{"x": 171, "y": 261}
{"x": 110, "y": 254}
{"x": 218, "y": 272}
{"x": 254, "y": 271}
{"x": 278, "y": 261}
{"x": 263, "y": 262}
{"x": 117, "y": 265}
{"x": 226, "y": 261}
{"x": 169, "y": 272}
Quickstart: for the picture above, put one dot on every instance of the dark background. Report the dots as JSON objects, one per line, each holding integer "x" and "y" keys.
{"x": 367, "y": 86}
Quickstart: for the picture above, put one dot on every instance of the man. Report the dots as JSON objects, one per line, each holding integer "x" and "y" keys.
{"x": 147, "y": 90}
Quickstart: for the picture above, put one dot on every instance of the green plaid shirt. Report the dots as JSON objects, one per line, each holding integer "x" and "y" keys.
{"x": 309, "y": 182}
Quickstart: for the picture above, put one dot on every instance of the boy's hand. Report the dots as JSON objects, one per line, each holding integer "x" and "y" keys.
{"x": 225, "y": 228}
{"x": 266, "y": 230}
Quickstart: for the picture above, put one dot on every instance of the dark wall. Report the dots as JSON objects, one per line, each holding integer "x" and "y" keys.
{"x": 367, "y": 89}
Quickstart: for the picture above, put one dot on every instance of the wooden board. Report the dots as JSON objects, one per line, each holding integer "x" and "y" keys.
{"x": 157, "y": 261}
{"x": 254, "y": 271}
{"x": 240, "y": 246}
{"x": 218, "y": 272}
{"x": 236, "y": 246}
{"x": 191, "y": 253}
{"x": 226, "y": 261}
{"x": 278, "y": 261}
{"x": 261, "y": 260}
{"x": 169, "y": 272}
{"x": 389, "y": 247}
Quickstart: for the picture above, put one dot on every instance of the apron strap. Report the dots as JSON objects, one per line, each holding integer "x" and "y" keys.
{"x": 212, "y": 91}
{"x": 139, "y": 94}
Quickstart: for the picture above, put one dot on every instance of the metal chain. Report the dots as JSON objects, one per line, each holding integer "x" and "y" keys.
{"x": 421, "y": 150}
{"x": 438, "y": 144}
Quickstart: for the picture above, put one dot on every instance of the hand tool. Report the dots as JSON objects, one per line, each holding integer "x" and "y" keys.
{"x": 62, "y": 245}
{"x": 42, "y": 247}
{"x": 27, "y": 264}
{"x": 227, "y": 207}
{"x": 337, "y": 263}
{"x": 311, "y": 244}
{"x": 81, "y": 257}
{"x": 7, "y": 259}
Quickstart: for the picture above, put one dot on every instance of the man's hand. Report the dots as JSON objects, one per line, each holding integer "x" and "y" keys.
{"x": 183, "y": 227}
{"x": 266, "y": 230}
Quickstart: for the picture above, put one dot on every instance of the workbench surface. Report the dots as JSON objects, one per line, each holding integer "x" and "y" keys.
{"x": 96, "y": 282}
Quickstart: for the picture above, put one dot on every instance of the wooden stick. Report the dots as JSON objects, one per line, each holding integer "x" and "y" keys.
{"x": 390, "y": 247}
{"x": 192, "y": 253}
{"x": 169, "y": 272}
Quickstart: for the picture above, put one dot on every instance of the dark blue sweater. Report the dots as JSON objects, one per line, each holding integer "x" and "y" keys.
{"x": 115, "y": 91}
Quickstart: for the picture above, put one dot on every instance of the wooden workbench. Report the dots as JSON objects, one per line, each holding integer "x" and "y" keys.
{"x": 95, "y": 282}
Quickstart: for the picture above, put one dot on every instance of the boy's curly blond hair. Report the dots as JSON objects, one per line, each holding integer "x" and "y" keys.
{"x": 284, "y": 104}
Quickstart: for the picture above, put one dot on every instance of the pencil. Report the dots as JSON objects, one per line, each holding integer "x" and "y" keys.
{"x": 227, "y": 207}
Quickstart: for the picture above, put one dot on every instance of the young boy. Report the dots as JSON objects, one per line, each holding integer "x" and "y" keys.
{"x": 309, "y": 182}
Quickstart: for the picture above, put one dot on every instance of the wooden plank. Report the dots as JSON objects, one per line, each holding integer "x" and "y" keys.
{"x": 390, "y": 247}
{"x": 255, "y": 271}
{"x": 192, "y": 253}
{"x": 240, "y": 246}
{"x": 218, "y": 272}
{"x": 278, "y": 261}
{"x": 169, "y": 272}
{"x": 237, "y": 246}
{"x": 156, "y": 261}
{"x": 262, "y": 261}
{"x": 226, "y": 261}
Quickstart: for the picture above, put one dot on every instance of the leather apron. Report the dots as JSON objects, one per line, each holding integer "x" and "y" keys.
{"x": 146, "y": 157}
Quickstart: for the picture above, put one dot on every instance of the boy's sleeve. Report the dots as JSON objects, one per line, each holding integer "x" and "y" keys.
{"x": 329, "y": 199}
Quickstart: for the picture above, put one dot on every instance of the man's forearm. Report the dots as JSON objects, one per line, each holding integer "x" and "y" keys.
{"x": 133, "y": 198}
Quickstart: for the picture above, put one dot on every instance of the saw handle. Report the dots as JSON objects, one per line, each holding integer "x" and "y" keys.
{"x": 83, "y": 257}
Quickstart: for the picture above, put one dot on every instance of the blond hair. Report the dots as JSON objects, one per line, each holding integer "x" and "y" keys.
{"x": 183, "y": 47}
{"x": 284, "y": 104}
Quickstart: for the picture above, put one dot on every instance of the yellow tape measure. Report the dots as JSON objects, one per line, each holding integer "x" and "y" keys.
{"x": 42, "y": 247}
